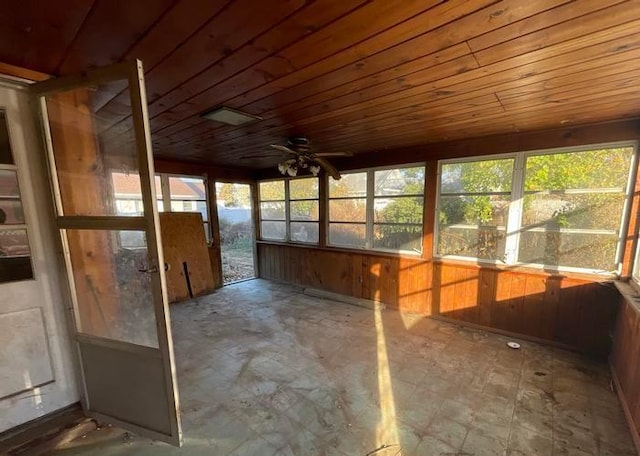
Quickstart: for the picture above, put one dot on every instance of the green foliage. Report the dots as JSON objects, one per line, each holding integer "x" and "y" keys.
{"x": 546, "y": 205}
{"x": 233, "y": 195}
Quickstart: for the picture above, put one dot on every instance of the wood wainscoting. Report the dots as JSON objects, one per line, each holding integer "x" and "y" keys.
{"x": 574, "y": 312}
{"x": 625, "y": 360}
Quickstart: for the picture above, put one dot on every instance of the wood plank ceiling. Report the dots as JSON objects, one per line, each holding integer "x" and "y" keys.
{"x": 351, "y": 75}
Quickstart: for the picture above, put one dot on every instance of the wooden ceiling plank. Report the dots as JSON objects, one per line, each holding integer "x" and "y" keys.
{"x": 215, "y": 40}
{"x": 236, "y": 25}
{"x": 90, "y": 48}
{"x": 169, "y": 33}
{"x": 575, "y": 28}
{"x": 584, "y": 79}
{"x": 181, "y": 22}
{"x": 540, "y": 21}
{"x": 584, "y": 94}
{"x": 506, "y": 11}
{"x": 326, "y": 42}
{"x": 516, "y": 121}
{"x": 496, "y": 74}
{"x": 37, "y": 33}
{"x": 315, "y": 16}
{"x": 499, "y": 13}
{"x": 513, "y": 9}
{"x": 471, "y": 17}
{"x": 354, "y": 97}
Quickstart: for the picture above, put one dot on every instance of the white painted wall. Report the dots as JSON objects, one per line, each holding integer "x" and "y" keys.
{"x": 45, "y": 292}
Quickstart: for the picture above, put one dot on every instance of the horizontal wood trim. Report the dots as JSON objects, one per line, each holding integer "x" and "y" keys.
{"x": 22, "y": 73}
{"x": 196, "y": 169}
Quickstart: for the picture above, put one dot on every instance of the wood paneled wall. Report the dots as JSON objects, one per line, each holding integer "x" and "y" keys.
{"x": 625, "y": 364}
{"x": 570, "y": 311}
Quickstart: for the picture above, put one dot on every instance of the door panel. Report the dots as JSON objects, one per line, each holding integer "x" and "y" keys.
{"x": 112, "y": 253}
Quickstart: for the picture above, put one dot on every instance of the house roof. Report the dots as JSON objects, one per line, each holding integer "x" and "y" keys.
{"x": 361, "y": 76}
{"x": 181, "y": 188}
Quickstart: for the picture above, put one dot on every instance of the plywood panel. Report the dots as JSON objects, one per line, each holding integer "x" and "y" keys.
{"x": 183, "y": 242}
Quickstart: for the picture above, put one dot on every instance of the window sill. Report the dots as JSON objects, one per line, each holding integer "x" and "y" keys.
{"x": 382, "y": 253}
{"x": 531, "y": 270}
{"x": 629, "y": 292}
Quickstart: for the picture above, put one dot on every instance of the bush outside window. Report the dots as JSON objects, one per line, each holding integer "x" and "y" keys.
{"x": 379, "y": 209}
{"x": 558, "y": 209}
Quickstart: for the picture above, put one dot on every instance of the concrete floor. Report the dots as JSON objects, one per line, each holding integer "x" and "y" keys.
{"x": 265, "y": 370}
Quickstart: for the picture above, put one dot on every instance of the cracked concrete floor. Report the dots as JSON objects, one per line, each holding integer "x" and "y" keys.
{"x": 265, "y": 370}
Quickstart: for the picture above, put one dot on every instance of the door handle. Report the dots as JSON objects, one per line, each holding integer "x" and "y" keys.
{"x": 149, "y": 271}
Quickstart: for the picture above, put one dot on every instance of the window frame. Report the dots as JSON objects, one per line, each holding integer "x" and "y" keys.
{"x": 370, "y": 198}
{"x": 514, "y": 216}
{"x": 18, "y": 167}
{"x": 166, "y": 199}
{"x": 287, "y": 210}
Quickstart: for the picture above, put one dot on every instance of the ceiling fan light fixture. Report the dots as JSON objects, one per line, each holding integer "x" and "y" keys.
{"x": 314, "y": 169}
{"x": 230, "y": 116}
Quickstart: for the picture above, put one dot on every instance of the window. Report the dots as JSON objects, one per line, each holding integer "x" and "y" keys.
{"x": 188, "y": 194}
{"x": 273, "y": 224}
{"x": 473, "y": 208}
{"x": 289, "y": 210}
{"x": 15, "y": 254}
{"x": 378, "y": 209}
{"x": 304, "y": 210}
{"x": 558, "y": 209}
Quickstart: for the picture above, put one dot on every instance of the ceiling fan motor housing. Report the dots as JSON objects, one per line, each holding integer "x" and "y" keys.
{"x": 299, "y": 143}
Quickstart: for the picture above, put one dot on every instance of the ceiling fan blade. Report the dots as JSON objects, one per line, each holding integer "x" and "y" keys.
{"x": 328, "y": 167}
{"x": 284, "y": 149}
{"x": 334, "y": 154}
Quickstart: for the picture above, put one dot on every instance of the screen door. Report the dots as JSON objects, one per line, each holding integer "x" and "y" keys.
{"x": 99, "y": 153}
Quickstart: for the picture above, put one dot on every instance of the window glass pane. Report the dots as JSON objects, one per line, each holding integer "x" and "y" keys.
{"x": 398, "y": 237}
{"x": 601, "y": 211}
{"x": 109, "y": 166}
{"x": 350, "y": 185}
{"x": 477, "y": 176}
{"x": 187, "y": 188}
{"x": 486, "y": 244}
{"x": 128, "y": 207}
{"x": 605, "y": 168}
{"x": 348, "y": 210}
{"x": 14, "y": 243}
{"x": 581, "y": 250}
{"x": 9, "y": 184}
{"x": 304, "y": 210}
{"x": 303, "y": 188}
{"x": 273, "y": 230}
{"x": 123, "y": 309}
{"x": 15, "y": 263}
{"x": 399, "y": 210}
{"x": 401, "y": 181}
{"x": 347, "y": 234}
{"x": 10, "y": 204}
{"x": 272, "y": 191}
{"x": 491, "y": 210}
{"x": 6, "y": 158}
{"x": 272, "y": 211}
{"x": 304, "y": 232}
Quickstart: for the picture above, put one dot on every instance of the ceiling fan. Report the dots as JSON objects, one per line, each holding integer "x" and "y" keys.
{"x": 299, "y": 155}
